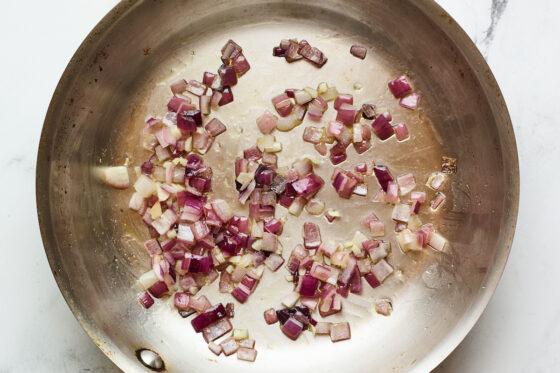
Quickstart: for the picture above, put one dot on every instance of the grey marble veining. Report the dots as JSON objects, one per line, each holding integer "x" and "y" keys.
{"x": 520, "y": 330}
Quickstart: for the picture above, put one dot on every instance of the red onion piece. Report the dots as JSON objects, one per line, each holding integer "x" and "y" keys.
{"x": 178, "y": 86}
{"x": 215, "y": 127}
{"x": 227, "y": 75}
{"x": 401, "y": 132}
{"x": 269, "y": 242}
{"x": 343, "y": 99}
{"x": 225, "y": 283}
{"x": 177, "y": 101}
{"x": 247, "y": 354}
{"x": 229, "y": 346}
{"x": 208, "y": 78}
{"x": 340, "y": 331}
{"x": 196, "y": 88}
{"x": 392, "y": 195}
{"x": 241, "y": 293}
{"x": 208, "y": 317}
{"x": 158, "y": 289}
{"x": 312, "y": 54}
{"x": 383, "y": 176}
{"x": 292, "y": 328}
{"x": 344, "y": 184}
{"x": 308, "y": 286}
{"x": 270, "y": 316}
{"x": 278, "y": 52}
{"x": 204, "y": 103}
{"x": 382, "y": 270}
{"x": 346, "y": 114}
{"x": 311, "y": 236}
{"x": 283, "y": 104}
{"x": 247, "y": 343}
{"x": 400, "y": 86}
{"x": 418, "y": 196}
{"x": 267, "y": 122}
{"x": 215, "y": 348}
{"x": 240, "y": 64}
{"x": 335, "y": 128}
{"x": 147, "y": 301}
{"x": 382, "y": 127}
{"x": 337, "y": 153}
{"x": 410, "y": 101}
{"x": 227, "y": 96}
{"x": 406, "y": 183}
{"x": 274, "y": 261}
{"x": 358, "y": 51}
{"x": 308, "y": 186}
{"x": 436, "y": 202}
{"x": 216, "y": 99}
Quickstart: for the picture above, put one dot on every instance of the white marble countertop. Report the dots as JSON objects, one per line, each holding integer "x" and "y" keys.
{"x": 519, "y": 331}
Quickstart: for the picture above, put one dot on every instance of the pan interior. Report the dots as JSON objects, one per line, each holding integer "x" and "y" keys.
{"x": 94, "y": 242}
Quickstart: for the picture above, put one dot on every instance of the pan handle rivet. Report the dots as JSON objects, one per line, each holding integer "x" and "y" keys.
{"x": 150, "y": 359}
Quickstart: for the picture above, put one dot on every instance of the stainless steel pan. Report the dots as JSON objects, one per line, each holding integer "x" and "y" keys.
{"x": 120, "y": 73}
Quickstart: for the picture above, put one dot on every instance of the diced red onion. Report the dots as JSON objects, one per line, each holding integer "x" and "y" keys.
{"x": 406, "y": 183}
{"x": 312, "y": 54}
{"x": 252, "y": 154}
{"x": 147, "y": 301}
{"x": 241, "y": 293}
{"x": 215, "y": 348}
{"x": 247, "y": 354}
{"x": 230, "y": 50}
{"x": 240, "y": 64}
{"x": 178, "y": 86}
{"x": 335, "y": 128}
{"x": 274, "y": 261}
{"x": 208, "y": 78}
{"x": 418, "y": 196}
{"x": 340, "y": 331}
{"x": 216, "y": 99}
{"x": 292, "y": 328}
{"x": 392, "y": 195}
{"x": 158, "y": 289}
{"x": 344, "y": 184}
{"x": 361, "y": 189}
{"x": 227, "y": 96}
{"x": 311, "y": 236}
{"x": 383, "y": 176}
{"x": 177, "y": 101}
{"x": 436, "y": 202}
{"x": 401, "y": 212}
{"x": 308, "y": 186}
{"x": 308, "y": 286}
{"x": 215, "y": 127}
{"x": 358, "y": 51}
{"x": 208, "y": 317}
{"x": 283, "y": 105}
{"x": 269, "y": 242}
{"x": 229, "y": 346}
{"x": 346, "y": 114}
{"x": 337, "y": 153}
{"x": 382, "y": 270}
{"x": 401, "y": 132}
{"x": 270, "y": 316}
{"x": 400, "y": 86}
{"x": 410, "y": 101}
{"x": 228, "y": 75}
{"x": 382, "y": 127}
{"x": 196, "y": 88}
{"x": 437, "y": 242}
{"x": 267, "y": 122}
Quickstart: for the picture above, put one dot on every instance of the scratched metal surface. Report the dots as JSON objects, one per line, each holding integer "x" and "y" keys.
{"x": 94, "y": 242}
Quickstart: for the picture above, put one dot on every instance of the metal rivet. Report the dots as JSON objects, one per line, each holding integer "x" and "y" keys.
{"x": 150, "y": 359}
